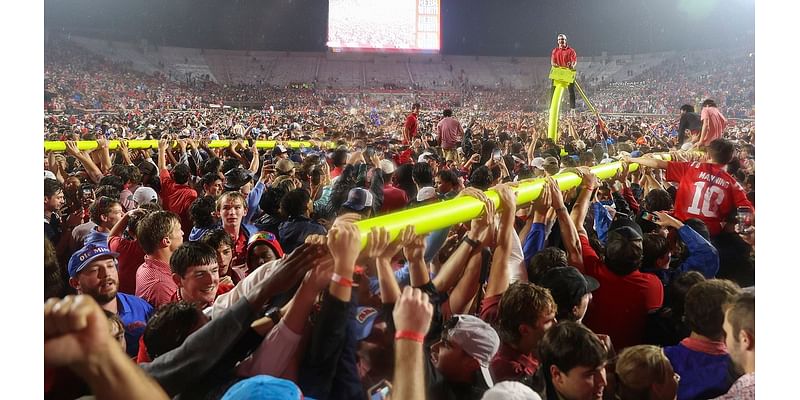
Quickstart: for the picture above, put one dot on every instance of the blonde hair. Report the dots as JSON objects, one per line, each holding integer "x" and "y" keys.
{"x": 231, "y": 195}
{"x": 638, "y": 368}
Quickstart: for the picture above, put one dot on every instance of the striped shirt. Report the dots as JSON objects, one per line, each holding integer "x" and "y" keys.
{"x": 154, "y": 282}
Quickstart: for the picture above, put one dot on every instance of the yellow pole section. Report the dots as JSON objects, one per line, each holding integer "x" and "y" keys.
{"x": 153, "y": 144}
{"x": 440, "y": 215}
{"x": 561, "y": 77}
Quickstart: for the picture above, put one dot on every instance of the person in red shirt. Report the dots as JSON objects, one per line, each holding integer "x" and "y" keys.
{"x": 705, "y": 191}
{"x": 176, "y": 194}
{"x": 394, "y": 198}
{"x": 625, "y": 297}
{"x": 565, "y": 57}
{"x": 131, "y": 255}
{"x": 411, "y": 125}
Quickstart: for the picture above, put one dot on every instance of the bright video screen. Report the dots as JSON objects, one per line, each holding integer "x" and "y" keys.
{"x": 384, "y": 25}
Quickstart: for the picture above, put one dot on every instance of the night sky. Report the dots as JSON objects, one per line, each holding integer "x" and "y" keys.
{"x": 469, "y": 27}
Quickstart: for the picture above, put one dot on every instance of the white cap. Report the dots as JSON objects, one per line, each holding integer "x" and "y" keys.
{"x": 538, "y": 162}
{"x": 49, "y": 175}
{"x": 478, "y": 339}
{"x": 510, "y": 390}
{"x": 387, "y": 166}
{"x": 426, "y": 193}
{"x": 144, "y": 194}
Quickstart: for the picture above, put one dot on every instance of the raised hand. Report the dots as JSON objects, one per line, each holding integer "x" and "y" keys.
{"x": 508, "y": 199}
{"x": 542, "y": 204}
{"x": 75, "y": 330}
{"x": 72, "y": 148}
{"x": 413, "y": 244}
{"x": 413, "y": 311}
{"x": 482, "y": 227}
{"x": 344, "y": 242}
{"x": 556, "y": 197}
{"x": 377, "y": 240}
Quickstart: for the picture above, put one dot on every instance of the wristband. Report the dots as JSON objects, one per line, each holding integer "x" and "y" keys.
{"x": 341, "y": 281}
{"x": 410, "y": 335}
{"x": 472, "y": 243}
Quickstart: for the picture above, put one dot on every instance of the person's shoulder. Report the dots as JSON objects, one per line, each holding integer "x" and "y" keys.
{"x": 134, "y": 300}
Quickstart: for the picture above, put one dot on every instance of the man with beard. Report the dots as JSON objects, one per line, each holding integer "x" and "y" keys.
{"x": 93, "y": 271}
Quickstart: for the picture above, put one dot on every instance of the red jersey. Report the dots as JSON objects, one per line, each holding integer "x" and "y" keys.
{"x": 706, "y": 192}
{"x": 563, "y": 57}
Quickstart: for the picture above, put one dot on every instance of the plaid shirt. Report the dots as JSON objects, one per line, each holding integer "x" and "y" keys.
{"x": 743, "y": 389}
{"x": 154, "y": 282}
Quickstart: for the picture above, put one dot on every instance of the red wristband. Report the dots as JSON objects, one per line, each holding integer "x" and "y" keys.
{"x": 341, "y": 281}
{"x": 410, "y": 335}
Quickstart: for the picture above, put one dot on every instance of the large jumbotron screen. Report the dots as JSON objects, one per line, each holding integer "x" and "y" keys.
{"x": 384, "y": 25}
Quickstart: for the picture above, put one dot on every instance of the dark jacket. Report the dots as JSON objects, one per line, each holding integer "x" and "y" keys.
{"x": 329, "y": 363}
{"x": 294, "y": 230}
{"x": 203, "y": 366}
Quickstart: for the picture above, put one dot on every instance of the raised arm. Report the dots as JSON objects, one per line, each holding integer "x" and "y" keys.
{"x": 255, "y": 162}
{"x": 479, "y": 235}
{"x": 414, "y": 250}
{"x": 703, "y": 256}
{"x": 163, "y": 144}
{"x": 581, "y": 206}
{"x": 569, "y": 233}
{"x": 91, "y": 168}
{"x": 499, "y": 274}
{"x": 648, "y": 162}
{"x": 390, "y": 290}
{"x": 105, "y": 157}
{"x": 412, "y": 317}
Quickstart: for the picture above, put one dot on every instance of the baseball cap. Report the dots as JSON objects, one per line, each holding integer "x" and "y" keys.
{"x": 285, "y": 166}
{"x": 49, "y": 175}
{"x": 279, "y": 149}
{"x": 538, "y": 162}
{"x": 551, "y": 165}
{"x": 476, "y": 338}
{"x": 387, "y": 166}
{"x": 236, "y": 178}
{"x": 358, "y": 199}
{"x": 622, "y": 221}
{"x": 144, "y": 194}
{"x": 81, "y": 258}
{"x": 264, "y": 237}
{"x": 365, "y": 319}
{"x": 510, "y": 390}
{"x": 426, "y": 156}
{"x": 567, "y": 285}
{"x": 264, "y": 387}
{"x": 426, "y": 193}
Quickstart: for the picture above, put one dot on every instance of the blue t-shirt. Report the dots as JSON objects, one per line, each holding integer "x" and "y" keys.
{"x": 134, "y": 312}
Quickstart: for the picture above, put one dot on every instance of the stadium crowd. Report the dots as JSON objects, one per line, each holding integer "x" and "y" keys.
{"x": 197, "y": 272}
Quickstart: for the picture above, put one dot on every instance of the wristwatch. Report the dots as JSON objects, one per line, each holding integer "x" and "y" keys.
{"x": 472, "y": 243}
{"x": 274, "y": 314}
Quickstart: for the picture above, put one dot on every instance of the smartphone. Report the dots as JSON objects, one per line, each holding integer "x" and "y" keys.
{"x": 744, "y": 220}
{"x": 497, "y": 155}
{"x": 380, "y": 391}
{"x": 647, "y": 216}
